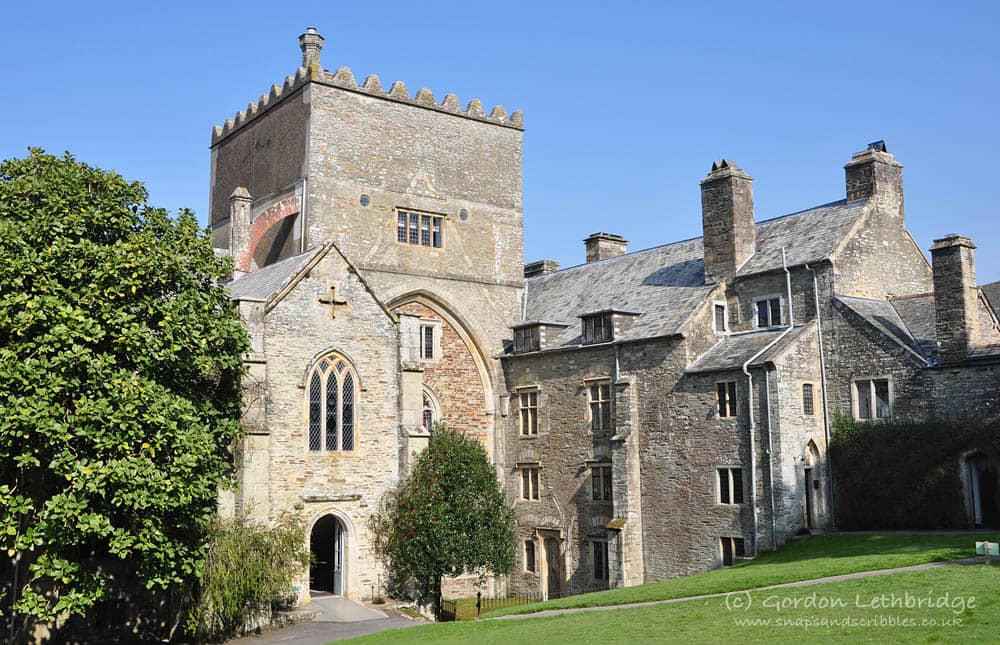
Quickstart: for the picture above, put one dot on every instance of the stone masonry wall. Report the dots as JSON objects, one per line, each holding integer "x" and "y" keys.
{"x": 348, "y": 484}
{"x": 265, "y": 157}
{"x": 792, "y": 431}
{"x": 455, "y": 380}
{"x": 562, "y": 448}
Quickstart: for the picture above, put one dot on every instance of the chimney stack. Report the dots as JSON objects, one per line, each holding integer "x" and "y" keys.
{"x": 541, "y": 267}
{"x": 727, "y": 218}
{"x": 311, "y": 44}
{"x": 239, "y": 230}
{"x": 956, "y": 297}
{"x": 874, "y": 173}
{"x": 601, "y": 246}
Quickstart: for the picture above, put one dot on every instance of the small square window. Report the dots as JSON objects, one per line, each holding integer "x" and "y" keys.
{"x": 808, "y": 407}
{"x": 872, "y": 399}
{"x": 768, "y": 312}
{"x": 526, "y": 339}
{"x": 598, "y": 328}
{"x": 725, "y": 395}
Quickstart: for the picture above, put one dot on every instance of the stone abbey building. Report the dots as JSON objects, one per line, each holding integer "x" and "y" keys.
{"x": 651, "y": 413}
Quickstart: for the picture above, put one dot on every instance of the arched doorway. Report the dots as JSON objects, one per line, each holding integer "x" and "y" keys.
{"x": 327, "y": 545}
{"x": 981, "y": 475}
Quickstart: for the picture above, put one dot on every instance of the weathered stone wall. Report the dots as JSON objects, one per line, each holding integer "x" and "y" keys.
{"x": 562, "y": 448}
{"x": 348, "y": 484}
{"x": 798, "y": 441}
{"x": 266, "y": 157}
{"x": 881, "y": 260}
{"x": 966, "y": 391}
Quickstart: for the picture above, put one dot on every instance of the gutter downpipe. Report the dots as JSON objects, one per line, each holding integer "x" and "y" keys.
{"x": 746, "y": 370}
{"x": 770, "y": 463}
{"x": 826, "y": 407}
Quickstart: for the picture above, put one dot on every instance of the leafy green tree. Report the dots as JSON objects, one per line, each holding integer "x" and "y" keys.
{"x": 120, "y": 370}
{"x": 449, "y": 517}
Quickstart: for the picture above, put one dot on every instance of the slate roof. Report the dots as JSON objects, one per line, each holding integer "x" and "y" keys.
{"x": 734, "y": 350}
{"x": 992, "y": 291}
{"x": 884, "y": 317}
{"x": 666, "y": 284}
{"x": 808, "y": 236}
{"x": 918, "y": 314}
{"x": 264, "y": 283}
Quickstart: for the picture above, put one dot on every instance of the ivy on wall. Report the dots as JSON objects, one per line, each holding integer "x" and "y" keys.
{"x": 906, "y": 474}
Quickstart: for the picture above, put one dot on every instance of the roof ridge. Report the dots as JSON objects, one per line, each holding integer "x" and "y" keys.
{"x": 693, "y": 239}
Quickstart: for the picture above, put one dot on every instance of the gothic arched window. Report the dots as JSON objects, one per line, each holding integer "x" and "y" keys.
{"x": 431, "y": 411}
{"x": 332, "y": 412}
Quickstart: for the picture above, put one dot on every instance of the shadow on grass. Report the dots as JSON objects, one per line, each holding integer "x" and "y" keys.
{"x": 808, "y": 558}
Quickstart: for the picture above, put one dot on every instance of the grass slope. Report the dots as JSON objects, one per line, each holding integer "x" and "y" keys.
{"x": 814, "y": 557}
{"x": 817, "y": 613}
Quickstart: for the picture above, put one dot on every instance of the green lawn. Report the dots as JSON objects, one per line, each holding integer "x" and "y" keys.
{"x": 971, "y": 612}
{"x": 814, "y": 557}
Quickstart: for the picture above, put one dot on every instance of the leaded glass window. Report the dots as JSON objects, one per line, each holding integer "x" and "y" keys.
{"x": 331, "y": 405}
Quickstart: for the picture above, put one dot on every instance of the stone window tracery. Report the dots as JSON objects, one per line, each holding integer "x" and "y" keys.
{"x": 331, "y": 393}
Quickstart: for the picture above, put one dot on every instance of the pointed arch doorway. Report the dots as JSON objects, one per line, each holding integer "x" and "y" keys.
{"x": 327, "y": 545}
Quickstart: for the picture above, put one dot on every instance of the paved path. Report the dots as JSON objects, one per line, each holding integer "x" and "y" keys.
{"x": 785, "y": 585}
{"x": 339, "y": 619}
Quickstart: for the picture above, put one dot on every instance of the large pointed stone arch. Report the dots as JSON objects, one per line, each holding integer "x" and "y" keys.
{"x": 472, "y": 338}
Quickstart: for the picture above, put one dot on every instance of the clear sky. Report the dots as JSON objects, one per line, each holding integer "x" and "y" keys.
{"x": 626, "y": 103}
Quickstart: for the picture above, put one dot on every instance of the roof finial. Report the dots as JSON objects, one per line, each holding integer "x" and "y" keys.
{"x": 311, "y": 44}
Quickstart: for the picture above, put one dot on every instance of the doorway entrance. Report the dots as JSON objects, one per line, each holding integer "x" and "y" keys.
{"x": 982, "y": 477}
{"x": 553, "y": 565}
{"x": 326, "y": 544}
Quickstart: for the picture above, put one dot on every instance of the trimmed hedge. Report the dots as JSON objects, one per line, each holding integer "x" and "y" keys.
{"x": 906, "y": 475}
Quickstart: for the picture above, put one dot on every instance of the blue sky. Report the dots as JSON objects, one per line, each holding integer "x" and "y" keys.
{"x": 626, "y": 103}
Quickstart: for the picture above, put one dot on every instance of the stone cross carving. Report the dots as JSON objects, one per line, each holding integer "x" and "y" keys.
{"x": 333, "y": 300}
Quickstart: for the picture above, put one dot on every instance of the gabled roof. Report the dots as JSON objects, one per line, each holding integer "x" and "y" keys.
{"x": 734, "y": 350}
{"x": 666, "y": 284}
{"x": 992, "y": 293}
{"x": 883, "y": 316}
{"x": 272, "y": 283}
{"x": 808, "y": 236}
{"x": 263, "y": 283}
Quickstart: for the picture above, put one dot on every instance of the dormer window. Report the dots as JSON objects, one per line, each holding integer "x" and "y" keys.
{"x": 530, "y": 335}
{"x": 526, "y": 339}
{"x": 598, "y": 328}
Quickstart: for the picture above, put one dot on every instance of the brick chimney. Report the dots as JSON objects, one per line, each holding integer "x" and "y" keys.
{"x": 729, "y": 234}
{"x": 239, "y": 230}
{"x": 540, "y": 268}
{"x": 956, "y": 297}
{"x": 874, "y": 172}
{"x": 601, "y": 246}
{"x": 311, "y": 44}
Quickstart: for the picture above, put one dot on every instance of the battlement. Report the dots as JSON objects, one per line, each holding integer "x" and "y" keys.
{"x": 344, "y": 79}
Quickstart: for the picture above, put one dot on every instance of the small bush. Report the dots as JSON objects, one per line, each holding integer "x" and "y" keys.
{"x": 249, "y": 570}
{"x": 904, "y": 474}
